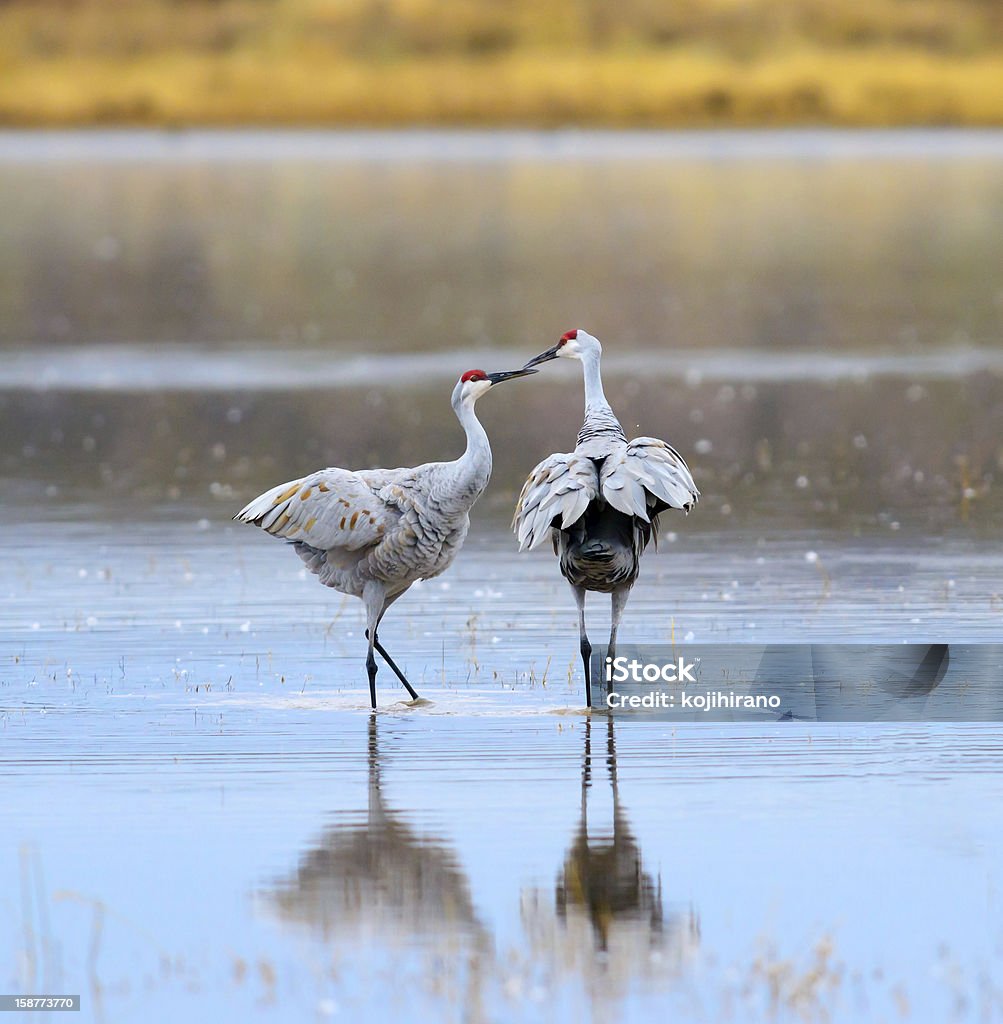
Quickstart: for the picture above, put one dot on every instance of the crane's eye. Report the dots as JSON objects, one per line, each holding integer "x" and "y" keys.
{"x": 566, "y": 337}
{"x": 474, "y": 375}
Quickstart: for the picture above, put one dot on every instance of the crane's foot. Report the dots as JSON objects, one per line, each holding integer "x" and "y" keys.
{"x": 393, "y": 665}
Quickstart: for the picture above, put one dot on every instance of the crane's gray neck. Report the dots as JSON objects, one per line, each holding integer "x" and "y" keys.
{"x": 600, "y": 420}
{"x": 473, "y": 467}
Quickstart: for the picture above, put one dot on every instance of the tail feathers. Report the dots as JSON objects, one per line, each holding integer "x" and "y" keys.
{"x": 594, "y": 549}
{"x": 598, "y": 565}
{"x": 600, "y": 552}
{"x": 257, "y": 509}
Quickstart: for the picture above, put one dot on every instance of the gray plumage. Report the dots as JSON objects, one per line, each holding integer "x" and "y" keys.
{"x": 372, "y": 533}
{"x": 600, "y": 504}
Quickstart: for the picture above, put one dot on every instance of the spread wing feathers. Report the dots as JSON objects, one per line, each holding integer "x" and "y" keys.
{"x": 645, "y": 477}
{"x": 331, "y": 509}
{"x": 557, "y": 493}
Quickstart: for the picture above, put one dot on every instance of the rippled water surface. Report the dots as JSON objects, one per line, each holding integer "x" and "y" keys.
{"x": 201, "y": 819}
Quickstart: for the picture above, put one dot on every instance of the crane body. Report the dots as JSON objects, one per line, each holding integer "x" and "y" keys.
{"x": 372, "y": 533}
{"x": 600, "y": 504}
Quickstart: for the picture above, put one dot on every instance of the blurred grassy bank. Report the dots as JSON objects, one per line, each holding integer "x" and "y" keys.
{"x": 531, "y": 62}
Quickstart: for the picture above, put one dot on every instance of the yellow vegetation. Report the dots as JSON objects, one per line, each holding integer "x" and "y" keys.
{"x": 528, "y": 62}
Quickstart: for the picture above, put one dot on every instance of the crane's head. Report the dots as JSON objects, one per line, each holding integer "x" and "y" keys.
{"x": 573, "y": 345}
{"x": 475, "y": 383}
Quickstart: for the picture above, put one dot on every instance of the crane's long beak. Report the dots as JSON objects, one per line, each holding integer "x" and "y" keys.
{"x": 543, "y": 357}
{"x": 497, "y": 378}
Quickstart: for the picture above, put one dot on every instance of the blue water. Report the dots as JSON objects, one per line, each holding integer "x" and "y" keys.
{"x": 187, "y": 754}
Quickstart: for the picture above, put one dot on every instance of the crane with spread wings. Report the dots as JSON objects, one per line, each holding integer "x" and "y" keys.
{"x": 600, "y": 503}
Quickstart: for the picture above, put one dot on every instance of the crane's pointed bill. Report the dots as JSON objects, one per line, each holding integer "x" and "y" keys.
{"x": 543, "y": 357}
{"x": 497, "y": 378}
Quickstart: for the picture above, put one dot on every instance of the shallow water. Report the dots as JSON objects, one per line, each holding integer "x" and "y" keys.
{"x": 274, "y": 862}
{"x": 202, "y": 821}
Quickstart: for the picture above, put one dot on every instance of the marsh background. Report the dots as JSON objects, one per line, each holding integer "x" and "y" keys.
{"x": 525, "y": 62}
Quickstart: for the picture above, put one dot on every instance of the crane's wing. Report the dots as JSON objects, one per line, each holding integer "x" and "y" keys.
{"x": 645, "y": 477}
{"x": 330, "y": 509}
{"x": 556, "y": 493}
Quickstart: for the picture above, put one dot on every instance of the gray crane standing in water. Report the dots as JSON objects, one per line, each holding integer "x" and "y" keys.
{"x": 600, "y": 503}
{"x": 373, "y": 532}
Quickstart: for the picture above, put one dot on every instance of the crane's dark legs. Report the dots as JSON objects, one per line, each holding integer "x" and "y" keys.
{"x": 373, "y": 599}
{"x": 377, "y": 604}
{"x": 371, "y": 669}
{"x": 393, "y": 665}
{"x": 586, "y": 647}
{"x": 616, "y": 613}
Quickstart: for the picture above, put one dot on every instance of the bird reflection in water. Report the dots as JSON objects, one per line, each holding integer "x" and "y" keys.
{"x": 606, "y": 919}
{"x": 382, "y": 879}
{"x": 382, "y": 884}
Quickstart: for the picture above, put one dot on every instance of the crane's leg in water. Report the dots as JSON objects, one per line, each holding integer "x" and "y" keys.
{"x": 393, "y": 665}
{"x": 382, "y": 650}
{"x": 372, "y": 597}
{"x": 616, "y": 613}
{"x": 585, "y": 646}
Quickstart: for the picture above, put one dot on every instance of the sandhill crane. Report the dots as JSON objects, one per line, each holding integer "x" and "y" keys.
{"x": 600, "y": 504}
{"x": 373, "y": 532}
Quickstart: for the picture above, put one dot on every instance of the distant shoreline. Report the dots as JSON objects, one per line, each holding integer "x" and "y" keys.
{"x": 243, "y": 144}
{"x": 677, "y": 89}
